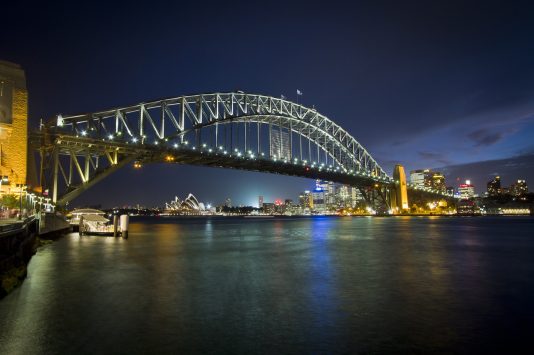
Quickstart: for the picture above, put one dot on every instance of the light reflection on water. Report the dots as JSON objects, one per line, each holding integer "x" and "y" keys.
{"x": 301, "y": 285}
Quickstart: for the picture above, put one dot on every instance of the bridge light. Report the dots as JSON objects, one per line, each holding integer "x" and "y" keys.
{"x": 110, "y": 137}
{"x": 186, "y": 142}
{"x": 134, "y": 139}
{"x": 156, "y": 142}
{"x": 209, "y": 150}
{"x": 84, "y": 133}
{"x": 175, "y": 145}
{"x": 225, "y": 152}
{"x": 262, "y": 154}
{"x": 238, "y": 154}
{"x": 204, "y": 145}
{"x": 221, "y": 147}
{"x": 194, "y": 148}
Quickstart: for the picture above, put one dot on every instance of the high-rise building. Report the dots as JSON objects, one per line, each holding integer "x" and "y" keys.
{"x": 418, "y": 178}
{"x": 306, "y": 200}
{"x": 260, "y": 201}
{"x": 269, "y": 208}
{"x": 343, "y": 197}
{"x": 494, "y": 186}
{"x": 438, "y": 181}
{"x": 319, "y": 202}
{"x": 13, "y": 125}
{"x": 228, "y": 202}
{"x": 401, "y": 192}
{"x": 428, "y": 179}
{"x": 466, "y": 191}
{"x": 519, "y": 188}
{"x": 356, "y": 196}
{"x": 329, "y": 190}
{"x": 280, "y": 146}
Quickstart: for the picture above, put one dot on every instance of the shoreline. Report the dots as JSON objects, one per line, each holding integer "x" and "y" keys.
{"x": 13, "y": 277}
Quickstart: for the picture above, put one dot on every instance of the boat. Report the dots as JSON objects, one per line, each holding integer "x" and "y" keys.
{"x": 89, "y": 221}
{"x": 74, "y": 215}
{"x": 93, "y": 224}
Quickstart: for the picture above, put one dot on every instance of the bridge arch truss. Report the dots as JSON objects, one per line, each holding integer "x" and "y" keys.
{"x": 235, "y": 125}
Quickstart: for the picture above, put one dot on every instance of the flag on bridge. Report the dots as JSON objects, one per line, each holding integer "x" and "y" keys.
{"x": 299, "y": 92}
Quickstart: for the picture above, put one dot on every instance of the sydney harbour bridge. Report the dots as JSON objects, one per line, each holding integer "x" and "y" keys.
{"x": 229, "y": 130}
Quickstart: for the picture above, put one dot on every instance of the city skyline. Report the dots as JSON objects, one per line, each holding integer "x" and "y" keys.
{"x": 457, "y": 97}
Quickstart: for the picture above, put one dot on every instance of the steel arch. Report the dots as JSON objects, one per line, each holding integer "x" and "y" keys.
{"x": 186, "y": 113}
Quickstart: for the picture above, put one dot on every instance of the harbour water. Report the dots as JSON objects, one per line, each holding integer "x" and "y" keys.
{"x": 302, "y": 285}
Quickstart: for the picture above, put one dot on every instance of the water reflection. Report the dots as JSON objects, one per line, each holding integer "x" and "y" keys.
{"x": 316, "y": 285}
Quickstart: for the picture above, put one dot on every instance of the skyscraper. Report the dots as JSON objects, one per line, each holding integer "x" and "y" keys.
{"x": 306, "y": 200}
{"x": 260, "y": 201}
{"x": 438, "y": 181}
{"x": 428, "y": 179}
{"x": 494, "y": 186}
{"x": 418, "y": 177}
{"x": 319, "y": 203}
{"x": 466, "y": 191}
{"x": 519, "y": 188}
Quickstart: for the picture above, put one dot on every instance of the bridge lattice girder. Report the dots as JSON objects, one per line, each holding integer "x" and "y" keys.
{"x": 78, "y": 151}
{"x": 172, "y": 119}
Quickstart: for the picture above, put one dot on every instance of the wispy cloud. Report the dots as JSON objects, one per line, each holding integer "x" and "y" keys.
{"x": 484, "y": 137}
{"x": 434, "y": 157}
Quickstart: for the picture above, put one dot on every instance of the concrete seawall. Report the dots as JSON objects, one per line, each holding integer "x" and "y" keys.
{"x": 17, "y": 245}
{"x": 19, "y": 241}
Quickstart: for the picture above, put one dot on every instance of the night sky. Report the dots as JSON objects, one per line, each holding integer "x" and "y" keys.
{"x": 429, "y": 84}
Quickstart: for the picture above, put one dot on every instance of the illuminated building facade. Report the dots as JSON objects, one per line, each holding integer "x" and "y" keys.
{"x": 280, "y": 144}
{"x": 189, "y": 205}
{"x": 467, "y": 190}
{"x": 13, "y": 125}
{"x": 519, "y": 188}
{"x": 306, "y": 200}
{"x": 428, "y": 179}
{"x": 494, "y": 187}
{"x": 269, "y": 208}
{"x": 418, "y": 178}
{"x": 438, "y": 181}
{"x": 401, "y": 191}
{"x": 319, "y": 202}
{"x": 260, "y": 201}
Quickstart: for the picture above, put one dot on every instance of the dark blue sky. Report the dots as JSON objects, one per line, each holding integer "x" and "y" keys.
{"x": 427, "y": 84}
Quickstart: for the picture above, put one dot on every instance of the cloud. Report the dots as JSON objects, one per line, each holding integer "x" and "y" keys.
{"x": 434, "y": 157}
{"x": 484, "y": 137}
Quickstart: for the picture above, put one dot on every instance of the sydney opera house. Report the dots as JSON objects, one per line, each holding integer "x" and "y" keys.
{"x": 189, "y": 206}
